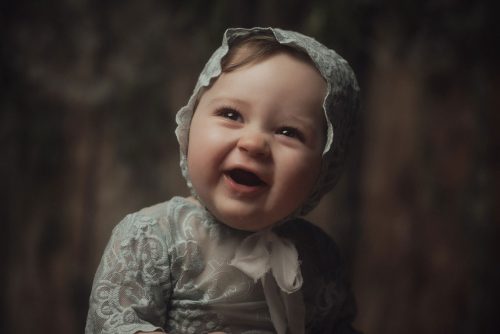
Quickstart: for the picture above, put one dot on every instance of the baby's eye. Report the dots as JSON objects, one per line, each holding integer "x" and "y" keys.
{"x": 291, "y": 132}
{"x": 229, "y": 114}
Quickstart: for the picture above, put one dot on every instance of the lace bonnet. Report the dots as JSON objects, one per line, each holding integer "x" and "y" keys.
{"x": 340, "y": 104}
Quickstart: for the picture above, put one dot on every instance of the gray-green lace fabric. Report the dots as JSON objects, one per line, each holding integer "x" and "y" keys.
{"x": 167, "y": 268}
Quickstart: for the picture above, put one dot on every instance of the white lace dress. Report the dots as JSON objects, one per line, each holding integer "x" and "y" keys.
{"x": 167, "y": 267}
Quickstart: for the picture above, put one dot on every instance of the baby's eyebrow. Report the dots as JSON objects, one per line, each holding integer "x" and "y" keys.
{"x": 228, "y": 100}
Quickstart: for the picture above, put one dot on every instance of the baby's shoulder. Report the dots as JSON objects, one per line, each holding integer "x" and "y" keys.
{"x": 155, "y": 212}
{"x": 160, "y": 219}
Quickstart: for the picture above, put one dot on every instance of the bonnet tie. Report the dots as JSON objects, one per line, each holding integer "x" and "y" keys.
{"x": 274, "y": 260}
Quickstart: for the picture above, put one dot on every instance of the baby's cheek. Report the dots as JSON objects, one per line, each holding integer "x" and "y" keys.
{"x": 307, "y": 174}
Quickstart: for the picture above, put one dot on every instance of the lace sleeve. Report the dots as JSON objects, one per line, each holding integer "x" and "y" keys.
{"x": 132, "y": 285}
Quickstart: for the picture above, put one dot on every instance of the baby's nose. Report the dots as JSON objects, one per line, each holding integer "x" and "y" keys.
{"x": 255, "y": 143}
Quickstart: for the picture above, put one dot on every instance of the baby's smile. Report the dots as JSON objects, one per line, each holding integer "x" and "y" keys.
{"x": 243, "y": 182}
{"x": 245, "y": 178}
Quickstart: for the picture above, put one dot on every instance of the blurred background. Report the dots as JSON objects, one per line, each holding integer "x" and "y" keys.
{"x": 89, "y": 93}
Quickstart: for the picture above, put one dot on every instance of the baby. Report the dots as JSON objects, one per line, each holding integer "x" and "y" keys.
{"x": 262, "y": 139}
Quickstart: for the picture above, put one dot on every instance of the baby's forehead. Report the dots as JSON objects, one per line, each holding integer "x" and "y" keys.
{"x": 279, "y": 75}
{"x": 253, "y": 51}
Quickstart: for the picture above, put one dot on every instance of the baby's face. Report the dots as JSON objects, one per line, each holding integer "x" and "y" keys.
{"x": 256, "y": 141}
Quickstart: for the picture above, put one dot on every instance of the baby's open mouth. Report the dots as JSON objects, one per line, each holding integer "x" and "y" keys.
{"x": 244, "y": 177}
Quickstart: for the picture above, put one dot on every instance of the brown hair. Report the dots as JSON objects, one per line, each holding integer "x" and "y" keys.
{"x": 254, "y": 48}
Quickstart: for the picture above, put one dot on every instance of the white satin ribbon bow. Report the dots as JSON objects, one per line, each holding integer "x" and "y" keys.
{"x": 266, "y": 253}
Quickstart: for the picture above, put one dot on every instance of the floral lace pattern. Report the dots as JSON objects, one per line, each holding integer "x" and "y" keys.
{"x": 167, "y": 268}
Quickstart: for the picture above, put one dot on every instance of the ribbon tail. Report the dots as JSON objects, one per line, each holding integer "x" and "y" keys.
{"x": 274, "y": 303}
{"x": 295, "y": 311}
{"x": 285, "y": 264}
{"x": 286, "y": 309}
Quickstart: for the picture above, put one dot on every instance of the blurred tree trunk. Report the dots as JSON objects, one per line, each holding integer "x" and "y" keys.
{"x": 428, "y": 177}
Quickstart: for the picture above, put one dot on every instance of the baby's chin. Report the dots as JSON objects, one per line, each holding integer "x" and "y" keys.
{"x": 248, "y": 223}
{"x": 242, "y": 221}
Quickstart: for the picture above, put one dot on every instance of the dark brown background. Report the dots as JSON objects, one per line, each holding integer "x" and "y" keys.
{"x": 89, "y": 93}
